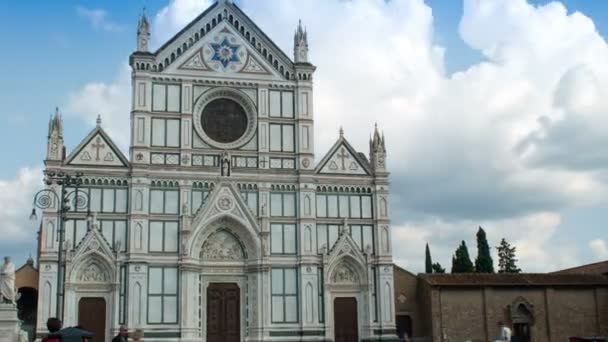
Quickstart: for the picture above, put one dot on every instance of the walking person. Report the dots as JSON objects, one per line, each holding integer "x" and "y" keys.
{"x": 53, "y": 325}
{"x": 504, "y": 333}
{"x": 123, "y": 335}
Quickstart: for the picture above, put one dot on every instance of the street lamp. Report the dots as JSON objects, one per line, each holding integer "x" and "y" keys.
{"x": 46, "y": 199}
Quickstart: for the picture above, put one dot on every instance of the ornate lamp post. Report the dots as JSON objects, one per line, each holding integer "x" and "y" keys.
{"x": 67, "y": 200}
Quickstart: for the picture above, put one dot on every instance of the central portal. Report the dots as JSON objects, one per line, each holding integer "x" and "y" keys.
{"x": 223, "y": 313}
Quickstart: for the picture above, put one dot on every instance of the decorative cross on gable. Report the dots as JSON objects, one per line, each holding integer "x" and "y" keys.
{"x": 98, "y": 146}
{"x": 343, "y": 156}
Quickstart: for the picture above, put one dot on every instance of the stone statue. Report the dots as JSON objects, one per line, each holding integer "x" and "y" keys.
{"x": 7, "y": 282}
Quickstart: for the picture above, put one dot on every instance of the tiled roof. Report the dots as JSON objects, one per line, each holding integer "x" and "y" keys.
{"x": 595, "y": 268}
{"x": 524, "y": 279}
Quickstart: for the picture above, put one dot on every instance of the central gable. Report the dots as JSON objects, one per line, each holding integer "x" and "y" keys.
{"x": 223, "y": 52}
{"x": 223, "y": 41}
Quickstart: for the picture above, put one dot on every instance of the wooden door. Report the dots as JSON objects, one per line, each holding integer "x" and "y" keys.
{"x": 92, "y": 317}
{"x": 223, "y": 313}
{"x": 345, "y": 320}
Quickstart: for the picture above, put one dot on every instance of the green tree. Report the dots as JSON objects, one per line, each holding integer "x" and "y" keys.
{"x": 428, "y": 260}
{"x": 506, "y": 258}
{"x": 483, "y": 262}
{"x": 461, "y": 262}
{"x": 437, "y": 268}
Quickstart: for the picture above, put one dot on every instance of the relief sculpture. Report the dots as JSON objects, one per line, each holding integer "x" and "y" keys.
{"x": 222, "y": 246}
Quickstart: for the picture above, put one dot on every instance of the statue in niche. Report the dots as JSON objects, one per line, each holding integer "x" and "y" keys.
{"x": 8, "y": 293}
{"x": 225, "y": 165}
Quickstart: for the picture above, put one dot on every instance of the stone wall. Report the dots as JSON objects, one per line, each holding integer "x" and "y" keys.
{"x": 472, "y": 313}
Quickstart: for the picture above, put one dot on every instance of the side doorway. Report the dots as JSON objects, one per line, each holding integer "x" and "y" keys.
{"x": 346, "y": 327}
{"x": 223, "y": 313}
{"x": 92, "y": 317}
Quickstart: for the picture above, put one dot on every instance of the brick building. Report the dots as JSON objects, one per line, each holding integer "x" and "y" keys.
{"x": 468, "y": 307}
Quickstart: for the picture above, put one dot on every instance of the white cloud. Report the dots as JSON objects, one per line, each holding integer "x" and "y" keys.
{"x": 16, "y": 196}
{"x": 507, "y": 143}
{"x": 175, "y": 16}
{"x": 98, "y": 18}
{"x": 599, "y": 248}
{"x": 110, "y": 100}
{"x": 530, "y": 234}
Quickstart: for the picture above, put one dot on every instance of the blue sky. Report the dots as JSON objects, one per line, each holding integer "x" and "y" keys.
{"x": 52, "y": 50}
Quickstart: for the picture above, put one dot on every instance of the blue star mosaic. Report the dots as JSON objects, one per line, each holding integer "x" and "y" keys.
{"x": 225, "y": 52}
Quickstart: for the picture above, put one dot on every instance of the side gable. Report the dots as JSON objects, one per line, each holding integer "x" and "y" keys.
{"x": 342, "y": 159}
{"x": 223, "y": 15}
{"x": 97, "y": 149}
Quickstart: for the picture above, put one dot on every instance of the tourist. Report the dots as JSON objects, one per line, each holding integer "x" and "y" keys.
{"x": 53, "y": 325}
{"x": 123, "y": 335}
{"x": 504, "y": 333}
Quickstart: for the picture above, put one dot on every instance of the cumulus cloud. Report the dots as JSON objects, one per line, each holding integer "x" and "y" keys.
{"x": 507, "y": 143}
{"x": 175, "y": 16}
{"x": 599, "y": 248}
{"x": 111, "y": 101}
{"x": 98, "y": 18}
{"x": 16, "y": 196}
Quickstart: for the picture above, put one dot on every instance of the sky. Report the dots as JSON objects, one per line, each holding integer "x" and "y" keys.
{"x": 493, "y": 110}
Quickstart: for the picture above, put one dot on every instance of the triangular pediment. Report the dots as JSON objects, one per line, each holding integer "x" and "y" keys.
{"x": 342, "y": 159}
{"x": 223, "y": 41}
{"x": 97, "y": 149}
{"x": 223, "y": 52}
{"x": 225, "y": 200}
{"x": 93, "y": 242}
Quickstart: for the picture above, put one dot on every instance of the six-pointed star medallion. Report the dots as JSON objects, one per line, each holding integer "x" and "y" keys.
{"x": 225, "y": 52}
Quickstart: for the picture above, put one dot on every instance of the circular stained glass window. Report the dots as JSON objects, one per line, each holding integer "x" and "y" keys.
{"x": 224, "y": 120}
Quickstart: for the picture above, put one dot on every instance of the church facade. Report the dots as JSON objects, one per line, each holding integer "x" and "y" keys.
{"x": 220, "y": 225}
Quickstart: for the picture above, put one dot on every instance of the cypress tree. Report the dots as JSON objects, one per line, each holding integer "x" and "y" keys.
{"x": 461, "y": 262}
{"x": 437, "y": 268}
{"x": 483, "y": 262}
{"x": 428, "y": 260}
{"x": 506, "y": 258}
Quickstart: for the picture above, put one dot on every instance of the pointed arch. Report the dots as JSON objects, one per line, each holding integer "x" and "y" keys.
{"x": 308, "y": 239}
{"x": 47, "y": 296}
{"x": 139, "y": 200}
{"x": 138, "y": 236}
{"x": 223, "y": 245}
{"x": 387, "y": 311}
{"x": 137, "y": 304}
{"x": 49, "y": 235}
{"x": 307, "y": 205}
{"x": 92, "y": 267}
{"x": 309, "y": 306}
{"x": 385, "y": 240}
{"x": 383, "y": 207}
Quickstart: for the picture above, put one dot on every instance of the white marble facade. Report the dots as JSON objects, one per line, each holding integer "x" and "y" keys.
{"x": 200, "y": 202}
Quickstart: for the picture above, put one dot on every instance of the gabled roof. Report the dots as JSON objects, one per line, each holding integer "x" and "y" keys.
{"x": 594, "y": 268}
{"x": 343, "y": 159}
{"x": 522, "y": 279}
{"x": 225, "y": 9}
{"x": 98, "y": 149}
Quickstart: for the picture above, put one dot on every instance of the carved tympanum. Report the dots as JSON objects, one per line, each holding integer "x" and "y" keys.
{"x": 93, "y": 274}
{"x": 222, "y": 246}
{"x": 344, "y": 274}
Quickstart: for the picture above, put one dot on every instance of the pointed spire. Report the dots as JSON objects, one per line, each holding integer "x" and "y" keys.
{"x": 341, "y": 131}
{"x": 55, "y": 123}
{"x": 143, "y": 32}
{"x": 98, "y": 121}
{"x": 300, "y": 44}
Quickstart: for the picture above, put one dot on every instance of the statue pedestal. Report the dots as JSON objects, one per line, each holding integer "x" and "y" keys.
{"x": 10, "y": 326}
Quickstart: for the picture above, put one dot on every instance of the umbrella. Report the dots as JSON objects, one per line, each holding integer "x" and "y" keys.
{"x": 74, "y": 334}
